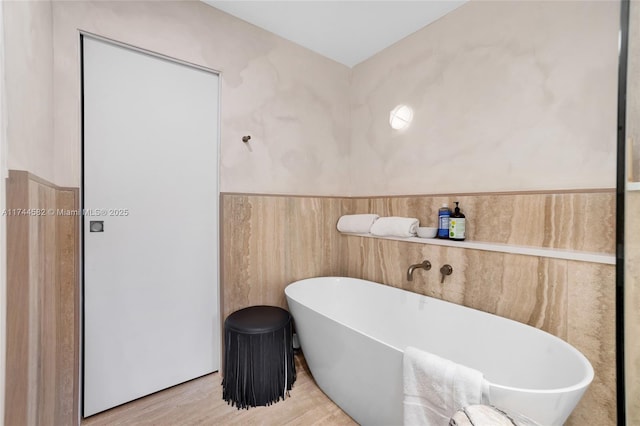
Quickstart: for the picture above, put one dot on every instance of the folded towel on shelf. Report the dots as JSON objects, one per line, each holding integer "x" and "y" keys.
{"x": 356, "y": 223}
{"x": 435, "y": 388}
{"x": 395, "y": 227}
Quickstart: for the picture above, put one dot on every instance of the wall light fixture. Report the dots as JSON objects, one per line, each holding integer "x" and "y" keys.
{"x": 400, "y": 117}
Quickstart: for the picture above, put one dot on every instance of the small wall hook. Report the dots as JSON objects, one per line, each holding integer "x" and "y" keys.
{"x": 246, "y": 139}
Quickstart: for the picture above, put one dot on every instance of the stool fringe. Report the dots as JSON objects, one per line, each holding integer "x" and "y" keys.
{"x": 259, "y": 368}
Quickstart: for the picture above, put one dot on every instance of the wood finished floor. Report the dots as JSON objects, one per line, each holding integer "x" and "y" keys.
{"x": 199, "y": 402}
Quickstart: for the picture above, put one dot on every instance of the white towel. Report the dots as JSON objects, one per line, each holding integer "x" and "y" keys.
{"x": 395, "y": 227}
{"x": 435, "y": 388}
{"x": 356, "y": 223}
{"x": 488, "y": 415}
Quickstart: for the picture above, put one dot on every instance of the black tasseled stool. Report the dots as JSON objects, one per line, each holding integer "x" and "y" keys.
{"x": 258, "y": 356}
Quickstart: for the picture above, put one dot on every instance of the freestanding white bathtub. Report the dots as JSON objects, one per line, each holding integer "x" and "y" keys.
{"x": 353, "y": 334}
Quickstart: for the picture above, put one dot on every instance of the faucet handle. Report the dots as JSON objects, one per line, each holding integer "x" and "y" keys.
{"x": 445, "y": 270}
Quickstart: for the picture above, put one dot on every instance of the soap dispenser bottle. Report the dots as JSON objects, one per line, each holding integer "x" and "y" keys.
{"x": 457, "y": 225}
{"x": 443, "y": 221}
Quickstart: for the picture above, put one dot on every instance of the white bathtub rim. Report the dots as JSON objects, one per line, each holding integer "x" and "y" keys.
{"x": 581, "y": 385}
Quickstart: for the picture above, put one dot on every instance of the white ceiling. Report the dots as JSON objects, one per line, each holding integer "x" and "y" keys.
{"x": 347, "y": 31}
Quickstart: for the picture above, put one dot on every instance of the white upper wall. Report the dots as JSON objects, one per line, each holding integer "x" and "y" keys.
{"x": 29, "y": 78}
{"x": 506, "y": 96}
{"x": 3, "y": 219}
{"x": 293, "y": 102}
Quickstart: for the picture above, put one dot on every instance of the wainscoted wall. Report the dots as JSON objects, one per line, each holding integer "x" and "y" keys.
{"x": 572, "y": 300}
{"x": 310, "y": 118}
{"x": 565, "y": 220}
{"x": 42, "y": 310}
{"x": 270, "y": 241}
{"x": 632, "y": 306}
{"x": 632, "y": 224}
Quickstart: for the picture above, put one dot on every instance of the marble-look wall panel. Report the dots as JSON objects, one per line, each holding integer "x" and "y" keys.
{"x": 293, "y": 102}
{"x": 591, "y": 329}
{"x": 582, "y": 221}
{"x": 632, "y": 225}
{"x": 498, "y": 104}
{"x": 632, "y": 306}
{"x": 42, "y": 292}
{"x": 17, "y": 298}
{"x": 572, "y": 300}
{"x": 42, "y": 305}
{"x": 68, "y": 307}
{"x": 270, "y": 241}
{"x": 527, "y": 289}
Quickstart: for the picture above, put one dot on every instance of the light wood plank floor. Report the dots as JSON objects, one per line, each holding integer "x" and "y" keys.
{"x": 199, "y": 402}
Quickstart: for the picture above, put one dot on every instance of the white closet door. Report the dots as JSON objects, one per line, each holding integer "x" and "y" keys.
{"x": 150, "y": 175}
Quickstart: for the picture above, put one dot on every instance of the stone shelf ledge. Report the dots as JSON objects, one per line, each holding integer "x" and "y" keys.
{"x": 633, "y": 186}
{"x": 581, "y": 256}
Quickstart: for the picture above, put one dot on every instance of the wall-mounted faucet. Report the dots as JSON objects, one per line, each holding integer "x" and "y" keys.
{"x": 426, "y": 265}
{"x": 445, "y": 270}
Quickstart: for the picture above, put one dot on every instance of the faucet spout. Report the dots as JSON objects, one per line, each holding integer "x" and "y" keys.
{"x": 426, "y": 265}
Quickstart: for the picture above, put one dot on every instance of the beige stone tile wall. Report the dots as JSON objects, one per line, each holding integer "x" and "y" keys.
{"x": 632, "y": 307}
{"x": 572, "y": 300}
{"x": 591, "y": 329}
{"x": 42, "y": 309}
{"x": 632, "y": 224}
{"x": 572, "y": 220}
{"x": 271, "y": 241}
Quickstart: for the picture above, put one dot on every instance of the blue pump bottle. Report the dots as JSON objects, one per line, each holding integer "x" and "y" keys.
{"x": 443, "y": 221}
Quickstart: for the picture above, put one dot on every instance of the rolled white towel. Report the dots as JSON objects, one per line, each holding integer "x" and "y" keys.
{"x": 395, "y": 226}
{"x": 356, "y": 223}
